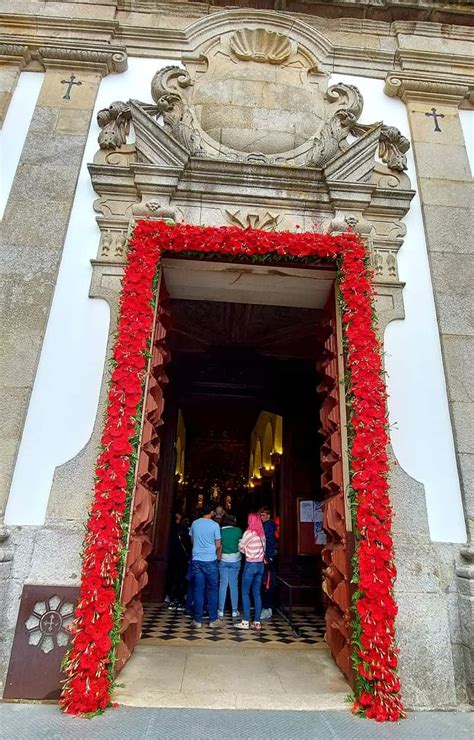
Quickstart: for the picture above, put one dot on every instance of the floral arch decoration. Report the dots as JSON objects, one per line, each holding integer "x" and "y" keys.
{"x": 90, "y": 661}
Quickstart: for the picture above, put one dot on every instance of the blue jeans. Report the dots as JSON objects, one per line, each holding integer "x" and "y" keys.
{"x": 229, "y": 577}
{"x": 206, "y": 579}
{"x": 252, "y": 581}
{"x": 190, "y": 591}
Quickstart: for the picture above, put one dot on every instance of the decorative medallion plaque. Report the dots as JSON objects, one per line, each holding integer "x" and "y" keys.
{"x": 41, "y": 638}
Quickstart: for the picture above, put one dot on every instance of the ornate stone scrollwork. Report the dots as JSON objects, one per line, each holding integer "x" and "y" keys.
{"x": 337, "y": 128}
{"x": 115, "y": 124}
{"x": 238, "y": 112}
{"x": 393, "y": 148}
{"x": 167, "y": 89}
{"x": 236, "y": 138}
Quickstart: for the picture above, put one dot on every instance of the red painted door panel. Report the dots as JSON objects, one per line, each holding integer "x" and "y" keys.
{"x": 143, "y": 505}
{"x": 337, "y": 553}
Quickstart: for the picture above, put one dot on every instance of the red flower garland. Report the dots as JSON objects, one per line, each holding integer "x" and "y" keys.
{"x": 89, "y": 665}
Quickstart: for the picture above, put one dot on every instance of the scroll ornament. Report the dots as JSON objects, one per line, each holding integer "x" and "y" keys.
{"x": 115, "y": 124}
{"x": 169, "y": 89}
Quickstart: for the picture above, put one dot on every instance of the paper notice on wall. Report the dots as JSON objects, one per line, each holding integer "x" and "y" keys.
{"x": 319, "y": 533}
{"x": 306, "y": 511}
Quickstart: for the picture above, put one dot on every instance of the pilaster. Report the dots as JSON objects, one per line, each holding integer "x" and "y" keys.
{"x": 36, "y": 219}
{"x": 13, "y": 58}
{"x": 447, "y": 198}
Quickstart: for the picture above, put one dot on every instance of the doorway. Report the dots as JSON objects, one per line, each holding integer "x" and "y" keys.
{"x": 245, "y": 341}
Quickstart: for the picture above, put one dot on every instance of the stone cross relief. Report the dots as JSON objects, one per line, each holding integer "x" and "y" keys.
{"x": 435, "y": 117}
{"x": 70, "y": 83}
{"x": 173, "y": 90}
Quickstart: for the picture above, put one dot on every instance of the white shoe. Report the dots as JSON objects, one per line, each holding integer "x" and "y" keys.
{"x": 235, "y": 614}
{"x": 243, "y": 625}
{"x": 220, "y": 615}
{"x": 266, "y": 614}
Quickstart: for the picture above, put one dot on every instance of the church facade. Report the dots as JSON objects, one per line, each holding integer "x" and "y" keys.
{"x": 280, "y": 116}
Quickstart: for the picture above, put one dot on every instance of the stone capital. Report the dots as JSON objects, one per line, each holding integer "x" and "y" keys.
{"x": 16, "y": 54}
{"x": 430, "y": 87}
{"x": 113, "y": 59}
{"x": 94, "y": 58}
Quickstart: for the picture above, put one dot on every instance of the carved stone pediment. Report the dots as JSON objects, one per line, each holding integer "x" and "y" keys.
{"x": 250, "y": 95}
{"x": 247, "y": 132}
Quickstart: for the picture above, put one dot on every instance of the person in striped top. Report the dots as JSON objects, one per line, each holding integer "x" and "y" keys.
{"x": 252, "y": 545}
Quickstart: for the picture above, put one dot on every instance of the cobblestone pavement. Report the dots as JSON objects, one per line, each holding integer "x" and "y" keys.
{"x": 28, "y": 721}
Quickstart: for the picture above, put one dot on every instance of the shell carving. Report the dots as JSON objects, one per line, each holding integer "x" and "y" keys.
{"x": 259, "y": 45}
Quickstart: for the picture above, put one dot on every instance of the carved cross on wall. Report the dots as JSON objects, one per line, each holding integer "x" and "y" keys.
{"x": 435, "y": 117}
{"x": 69, "y": 84}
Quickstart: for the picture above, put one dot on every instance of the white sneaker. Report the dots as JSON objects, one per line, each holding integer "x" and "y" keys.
{"x": 243, "y": 625}
{"x": 266, "y": 614}
{"x": 235, "y": 613}
{"x": 220, "y": 615}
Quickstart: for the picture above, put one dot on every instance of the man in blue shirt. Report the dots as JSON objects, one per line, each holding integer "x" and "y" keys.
{"x": 207, "y": 548}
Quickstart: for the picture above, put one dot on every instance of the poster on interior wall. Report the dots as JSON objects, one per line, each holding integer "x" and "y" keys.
{"x": 311, "y": 536}
{"x": 306, "y": 511}
{"x": 319, "y": 533}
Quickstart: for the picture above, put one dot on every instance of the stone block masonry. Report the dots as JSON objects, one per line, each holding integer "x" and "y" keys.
{"x": 32, "y": 237}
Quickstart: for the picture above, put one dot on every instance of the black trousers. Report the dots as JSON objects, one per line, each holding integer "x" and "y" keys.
{"x": 268, "y": 586}
{"x": 178, "y": 570}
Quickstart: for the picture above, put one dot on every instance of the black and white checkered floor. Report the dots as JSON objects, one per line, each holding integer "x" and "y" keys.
{"x": 162, "y": 625}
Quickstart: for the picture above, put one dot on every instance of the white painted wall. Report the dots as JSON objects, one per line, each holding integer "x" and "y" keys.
{"x": 65, "y": 395}
{"x": 15, "y": 128}
{"x": 467, "y": 124}
{"x": 61, "y": 413}
{"x": 421, "y": 432}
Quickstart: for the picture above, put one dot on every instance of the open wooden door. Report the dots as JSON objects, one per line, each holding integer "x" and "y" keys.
{"x": 143, "y": 505}
{"x": 334, "y": 478}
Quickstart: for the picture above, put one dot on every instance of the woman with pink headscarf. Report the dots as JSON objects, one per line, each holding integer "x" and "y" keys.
{"x": 252, "y": 545}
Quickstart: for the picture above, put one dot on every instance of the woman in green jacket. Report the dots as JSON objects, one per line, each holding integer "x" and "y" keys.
{"x": 229, "y": 565}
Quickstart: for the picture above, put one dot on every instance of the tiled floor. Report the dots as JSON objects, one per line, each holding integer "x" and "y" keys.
{"x": 164, "y": 626}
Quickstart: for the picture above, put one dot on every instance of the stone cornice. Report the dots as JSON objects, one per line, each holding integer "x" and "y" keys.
{"x": 451, "y": 64}
{"x": 37, "y": 52}
{"x": 433, "y": 30}
{"x": 148, "y": 40}
{"x": 383, "y": 12}
{"x": 437, "y": 87}
{"x": 54, "y": 26}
